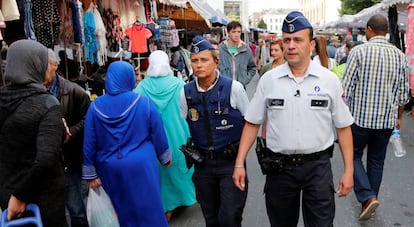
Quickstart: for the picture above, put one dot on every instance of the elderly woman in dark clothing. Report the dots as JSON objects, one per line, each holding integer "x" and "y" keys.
{"x": 31, "y": 133}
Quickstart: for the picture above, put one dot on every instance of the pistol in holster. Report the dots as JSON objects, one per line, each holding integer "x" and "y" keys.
{"x": 269, "y": 164}
{"x": 191, "y": 154}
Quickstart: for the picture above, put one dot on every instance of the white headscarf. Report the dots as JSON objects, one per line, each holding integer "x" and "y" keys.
{"x": 159, "y": 64}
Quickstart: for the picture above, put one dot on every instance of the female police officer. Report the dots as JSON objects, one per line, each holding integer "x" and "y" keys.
{"x": 213, "y": 106}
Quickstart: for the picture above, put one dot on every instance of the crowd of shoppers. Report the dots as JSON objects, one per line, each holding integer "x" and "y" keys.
{"x": 128, "y": 140}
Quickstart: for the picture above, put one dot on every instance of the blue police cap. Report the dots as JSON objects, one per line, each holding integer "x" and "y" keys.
{"x": 295, "y": 21}
{"x": 199, "y": 44}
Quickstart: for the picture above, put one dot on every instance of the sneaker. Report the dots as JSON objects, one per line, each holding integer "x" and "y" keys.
{"x": 368, "y": 208}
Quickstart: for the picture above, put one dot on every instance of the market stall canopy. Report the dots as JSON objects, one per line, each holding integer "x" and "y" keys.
{"x": 178, "y": 3}
{"x": 215, "y": 18}
{"x": 389, "y": 3}
{"x": 190, "y": 14}
{"x": 382, "y": 8}
{"x": 360, "y": 19}
{"x": 344, "y": 22}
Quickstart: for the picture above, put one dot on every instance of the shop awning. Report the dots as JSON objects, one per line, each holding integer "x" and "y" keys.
{"x": 389, "y": 3}
{"x": 215, "y": 18}
{"x": 192, "y": 14}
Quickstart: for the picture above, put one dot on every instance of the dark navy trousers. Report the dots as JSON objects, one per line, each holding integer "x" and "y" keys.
{"x": 313, "y": 184}
{"x": 221, "y": 202}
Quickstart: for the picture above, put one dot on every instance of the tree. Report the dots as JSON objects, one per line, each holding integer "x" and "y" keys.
{"x": 262, "y": 24}
{"x": 352, "y": 7}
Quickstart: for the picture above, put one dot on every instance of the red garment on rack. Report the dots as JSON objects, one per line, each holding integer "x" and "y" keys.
{"x": 138, "y": 35}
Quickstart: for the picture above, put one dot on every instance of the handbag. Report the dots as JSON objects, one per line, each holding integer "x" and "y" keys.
{"x": 99, "y": 209}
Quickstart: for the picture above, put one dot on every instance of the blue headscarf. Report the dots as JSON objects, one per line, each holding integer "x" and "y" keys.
{"x": 120, "y": 78}
{"x": 119, "y": 97}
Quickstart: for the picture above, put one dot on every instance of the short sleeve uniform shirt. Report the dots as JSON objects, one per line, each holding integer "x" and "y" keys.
{"x": 302, "y": 111}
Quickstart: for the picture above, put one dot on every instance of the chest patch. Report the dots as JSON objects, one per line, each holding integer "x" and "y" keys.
{"x": 275, "y": 102}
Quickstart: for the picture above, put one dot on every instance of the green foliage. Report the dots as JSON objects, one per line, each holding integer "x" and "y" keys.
{"x": 354, "y": 6}
{"x": 262, "y": 24}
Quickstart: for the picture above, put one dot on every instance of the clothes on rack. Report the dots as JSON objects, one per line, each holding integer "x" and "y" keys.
{"x": 66, "y": 28}
{"x": 100, "y": 32}
{"x": 138, "y": 35}
{"x": 77, "y": 21}
{"x": 90, "y": 46}
{"x": 46, "y": 21}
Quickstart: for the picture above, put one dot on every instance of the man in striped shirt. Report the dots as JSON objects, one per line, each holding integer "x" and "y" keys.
{"x": 376, "y": 89}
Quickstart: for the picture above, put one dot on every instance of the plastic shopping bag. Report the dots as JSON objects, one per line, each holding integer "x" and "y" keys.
{"x": 99, "y": 209}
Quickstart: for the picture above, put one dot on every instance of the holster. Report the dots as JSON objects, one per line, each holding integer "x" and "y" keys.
{"x": 191, "y": 154}
{"x": 268, "y": 164}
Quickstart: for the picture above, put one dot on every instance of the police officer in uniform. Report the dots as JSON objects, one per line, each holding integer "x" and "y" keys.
{"x": 302, "y": 102}
{"x": 213, "y": 106}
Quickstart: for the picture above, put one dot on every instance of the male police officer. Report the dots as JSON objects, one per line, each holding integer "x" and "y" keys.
{"x": 213, "y": 106}
{"x": 302, "y": 102}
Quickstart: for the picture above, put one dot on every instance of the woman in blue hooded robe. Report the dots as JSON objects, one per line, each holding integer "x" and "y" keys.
{"x": 124, "y": 138}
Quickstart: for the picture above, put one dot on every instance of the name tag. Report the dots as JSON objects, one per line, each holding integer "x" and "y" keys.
{"x": 319, "y": 103}
{"x": 275, "y": 102}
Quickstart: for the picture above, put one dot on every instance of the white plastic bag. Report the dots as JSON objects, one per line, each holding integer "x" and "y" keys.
{"x": 99, "y": 209}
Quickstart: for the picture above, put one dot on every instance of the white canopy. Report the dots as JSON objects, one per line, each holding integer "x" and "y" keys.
{"x": 360, "y": 19}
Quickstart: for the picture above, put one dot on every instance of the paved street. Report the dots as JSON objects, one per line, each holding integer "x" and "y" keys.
{"x": 396, "y": 195}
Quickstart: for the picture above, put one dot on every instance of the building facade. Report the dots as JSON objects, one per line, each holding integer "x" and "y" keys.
{"x": 319, "y": 12}
{"x": 237, "y": 10}
{"x": 274, "y": 20}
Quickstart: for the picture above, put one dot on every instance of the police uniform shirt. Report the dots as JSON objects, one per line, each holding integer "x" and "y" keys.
{"x": 238, "y": 97}
{"x": 302, "y": 111}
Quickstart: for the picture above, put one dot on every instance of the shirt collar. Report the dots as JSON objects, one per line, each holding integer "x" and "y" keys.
{"x": 313, "y": 70}
{"x": 199, "y": 89}
{"x": 378, "y": 39}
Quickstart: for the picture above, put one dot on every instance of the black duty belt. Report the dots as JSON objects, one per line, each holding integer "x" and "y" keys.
{"x": 228, "y": 153}
{"x": 299, "y": 159}
{"x": 216, "y": 155}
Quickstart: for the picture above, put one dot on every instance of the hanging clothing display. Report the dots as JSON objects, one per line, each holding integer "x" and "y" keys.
{"x": 14, "y": 28}
{"x": 113, "y": 29}
{"x": 28, "y": 24}
{"x": 46, "y": 21}
{"x": 77, "y": 21}
{"x": 66, "y": 28}
{"x": 175, "y": 40}
{"x": 2, "y": 21}
{"x": 128, "y": 11}
{"x": 138, "y": 34}
{"x": 154, "y": 12}
{"x": 410, "y": 46}
{"x": 100, "y": 36}
{"x": 10, "y": 10}
{"x": 90, "y": 38}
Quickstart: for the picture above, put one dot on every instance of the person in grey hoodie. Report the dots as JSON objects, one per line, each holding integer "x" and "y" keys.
{"x": 31, "y": 134}
{"x": 236, "y": 58}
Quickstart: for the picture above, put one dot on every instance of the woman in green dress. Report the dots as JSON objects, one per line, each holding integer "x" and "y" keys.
{"x": 160, "y": 85}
